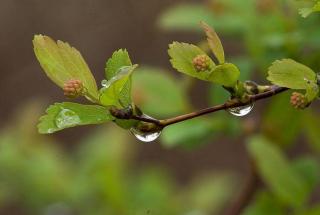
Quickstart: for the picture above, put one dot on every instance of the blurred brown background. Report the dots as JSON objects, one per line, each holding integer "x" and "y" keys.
{"x": 97, "y": 28}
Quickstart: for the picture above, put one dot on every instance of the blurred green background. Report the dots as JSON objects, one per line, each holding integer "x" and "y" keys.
{"x": 197, "y": 167}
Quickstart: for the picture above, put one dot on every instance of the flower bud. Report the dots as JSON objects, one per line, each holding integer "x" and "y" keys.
{"x": 298, "y": 100}
{"x": 201, "y": 63}
{"x": 73, "y": 88}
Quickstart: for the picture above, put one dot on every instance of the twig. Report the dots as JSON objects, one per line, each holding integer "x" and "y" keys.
{"x": 274, "y": 90}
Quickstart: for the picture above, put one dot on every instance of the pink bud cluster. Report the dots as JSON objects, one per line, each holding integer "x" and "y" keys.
{"x": 201, "y": 63}
{"x": 73, "y": 88}
{"x": 298, "y": 100}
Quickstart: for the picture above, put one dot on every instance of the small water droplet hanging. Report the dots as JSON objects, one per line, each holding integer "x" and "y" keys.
{"x": 143, "y": 132}
{"x": 242, "y": 110}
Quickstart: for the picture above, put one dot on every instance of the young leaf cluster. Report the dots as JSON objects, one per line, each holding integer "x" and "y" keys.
{"x": 63, "y": 63}
{"x": 182, "y": 55}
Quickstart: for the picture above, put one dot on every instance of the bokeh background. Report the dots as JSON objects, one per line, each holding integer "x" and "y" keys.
{"x": 195, "y": 168}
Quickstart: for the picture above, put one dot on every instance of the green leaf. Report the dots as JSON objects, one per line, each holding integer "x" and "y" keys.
{"x": 219, "y": 95}
{"x": 275, "y": 170}
{"x": 274, "y": 120}
{"x": 61, "y": 63}
{"x": 157, "y": 93}
{"x": 312, "y": 91}
{"x": 118, "y": 72}
{"x": 118, "y": 60}
{"x": 264, "y": 204}
{"x": 225, "y": 74}
{"x": 291, "y": 74}
{"x": 311, "y": 129}
{"x": 113, "y": 90}
{"x": 308, "y": 168}
{"x": 66, "y": 115}
{"x": 182, "y": 55}
{"x": 214, "y": 42}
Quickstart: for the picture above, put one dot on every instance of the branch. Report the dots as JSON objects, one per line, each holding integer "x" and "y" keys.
{"x": 273, "y": 90}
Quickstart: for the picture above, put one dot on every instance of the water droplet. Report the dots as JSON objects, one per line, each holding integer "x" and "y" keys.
{"x": 50, "y": 130}
{"x": 67, "y": 118}
{"x": 124, "y": 69}
{"x": 242, "y": 110}
{"x": 145, "y": 136}
{"x": 105, "y": 83}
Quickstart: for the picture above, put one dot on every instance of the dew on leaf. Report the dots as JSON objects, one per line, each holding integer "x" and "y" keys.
{"x": 105, "y": 83}
{"x": 50, "y": 130}
{"x": 67, "y": 118}
{"x": 242, "y": 110}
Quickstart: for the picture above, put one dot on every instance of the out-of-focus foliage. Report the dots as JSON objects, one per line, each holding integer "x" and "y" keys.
{"x": 283, "y": 180}
{"x": 310, "y": 6}
{"x": 274, "y": 120}
{"x": 265, "y": 204}
{"x": 290, "y": 183}
{"x": 99, "y": 177}
{"x": 264, "y": 31}
{"x": 268, "y": 29}
{"x": 158, "y": 88}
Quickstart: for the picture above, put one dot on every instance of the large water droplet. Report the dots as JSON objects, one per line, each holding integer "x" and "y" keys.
{"x": 67, "y": 118}
{"x": 145, "y": 136}
{"x": 242, "y": 110}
